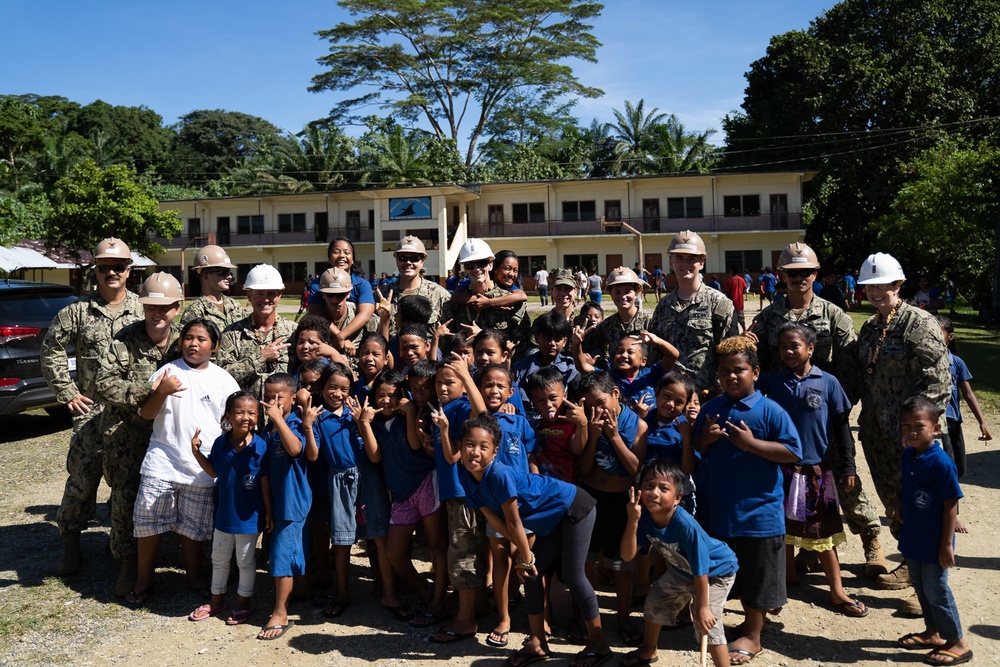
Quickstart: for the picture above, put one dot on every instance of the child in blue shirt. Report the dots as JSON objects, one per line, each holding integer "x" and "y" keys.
{"x": 819, "y": 408}
{"x": 744, "y": 438}
{"x": 235, "y": 462}
{"x": 929, "y": 506}
{"x": 960, "y": 377}
{"x": 284, "y": 479}
{"x": 550, "y": 331}
{"x": 560, "y": 515}
{"x": 701, "y": 570}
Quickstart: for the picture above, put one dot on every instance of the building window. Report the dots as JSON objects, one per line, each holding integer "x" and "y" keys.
{"x": 249, "y": 224}
{"x": 222, "y": 230}
{"x": 494, "y": 213}
{"x": 353, "y": 221}
{"x": 694, "y": 208}
{"x": 321, "y": 226}
{"x": 241, "y": 272}
{"x": 585, "y": 262}
{"x": 319, "y": 268}
{"x": 613, "y": 210}
{"x": 292, "y": 271}
{"x": 371, "y": 218}
{"x": 194, "y": 227}
{"x": 574, "y": 211}
{"x": 744, "y": 260}
{"x": 684, "y": 207}
{"x": 741, "y": 205}
{"x": 531, "y": 212}
{"x": 528, "y": 265}
{"x": 284, "y": 223}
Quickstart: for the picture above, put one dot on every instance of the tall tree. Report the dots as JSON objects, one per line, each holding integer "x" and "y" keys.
{"x": 439, "y": 60}
{"x": 134, "y": 135}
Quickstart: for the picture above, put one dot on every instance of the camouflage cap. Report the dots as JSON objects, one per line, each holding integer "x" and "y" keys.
{"x": 564, "y": 277}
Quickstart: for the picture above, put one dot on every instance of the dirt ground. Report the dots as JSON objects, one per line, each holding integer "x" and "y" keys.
{"x": 48, "y": 621}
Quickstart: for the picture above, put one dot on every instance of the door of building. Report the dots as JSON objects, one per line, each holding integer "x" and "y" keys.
{"x": 611, "y": 262}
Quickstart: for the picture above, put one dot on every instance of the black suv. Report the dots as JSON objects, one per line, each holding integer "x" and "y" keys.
{"x": 26, "y": 311}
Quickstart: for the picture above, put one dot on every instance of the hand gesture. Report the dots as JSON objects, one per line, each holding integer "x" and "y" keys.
{"x": 508, "y": 409}
{"x": 196, "y": 443}
{"x": 596, "y": 424}
{"x": 575, "y": 413}
{"x": 685, "y": 427}
{"x": 404, "y": 405}
{"x": 347, "y": 347}
{"x": 168, "y": 384}
{"x": 633, "y": 509}
{"x": 274, "y": 411}
{"x": 272, "y": 351}
{"x": 712, "y": 431}
{"x": 750, "y": 334}
{"x": 477, "y": 302}
{"x": 442, "y": 329}
{"x": 310, "y": 413}
{"x": 439, "y": 418}
{"x": 610, "y": 425}
{"x": 367, "y": 412}
{"x": 641, "y": 407}
{"x": 511, "y": 346}
{"x": 741, "y": 435}
{"x": 471, "y": 330}
{"x": 578, "y": 334}
{"x": 459, "y": 367}
{"x": 384, "y": 307}
{"x": 650, "y": 339}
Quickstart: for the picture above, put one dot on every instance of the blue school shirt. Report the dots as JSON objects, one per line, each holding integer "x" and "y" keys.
{"x": 959, "y": 374}
{"x": 291, "y": 495}
{"x": 604, "y": 456}
{"x": 640, "y": 388}
{"x": 404, "y": 468}
{"x": 239, "y": 509}
{"x": 664, "y": 441}
{"x": 810, "y": 401}
{"x": 361, "y": 291}
{"x": 525, "y": 367}
{"x": 929, "y": 479}
{"x": 361, "y": 389}
{"x": 516, "y": 442}
{"x": 457, "y": 412}
{"x": 744, "y": 495}
{"x": 542, "y": 502}
{"x": 686, "y": 546}
{"x": 338, "y": 440}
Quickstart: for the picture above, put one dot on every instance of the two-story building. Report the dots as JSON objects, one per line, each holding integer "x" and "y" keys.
{"x": 745, "y": 220}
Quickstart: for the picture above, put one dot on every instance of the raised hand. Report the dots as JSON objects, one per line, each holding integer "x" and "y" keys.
{"x": 273, "y": 410}
{"x": 169, "y": 383}
{"x": 310, "y": 413}
{"x": 610, "y": 426}
{"x": 740, "y": 435}
{"x": 196, "y": 443}
{"x": 633, "y": 509}
{"x": 439, "y": 418}
{"x": 442, "y": 329}
{"x": 272, "y": 351}
{"x": 712, "y": 430}
{"x": 641, "y": 407}
{"x": 574, "y": 413}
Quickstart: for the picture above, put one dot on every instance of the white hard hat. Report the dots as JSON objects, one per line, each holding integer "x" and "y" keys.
{"x": 264, "y": 276}
{"x": 880, "y": 269}
{"x": 474, "y": 250}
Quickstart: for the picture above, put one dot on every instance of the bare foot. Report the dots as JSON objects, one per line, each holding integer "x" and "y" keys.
{"x": 960, "y": 527}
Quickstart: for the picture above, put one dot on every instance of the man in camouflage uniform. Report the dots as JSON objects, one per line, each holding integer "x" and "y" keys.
{"x": 87, "y": 326}
{"x": 254, "y": 348}
{"x": 836, "y": 354}
{"x": 215, "y": 274}
{"x": 123, "y": 384}
{"x": 901, "y": 353}
{"x": 694, "y": 318}
{"x": 410, "y": 255}
{"x": 335, "y": 286}
{"x": 626, "y": 293}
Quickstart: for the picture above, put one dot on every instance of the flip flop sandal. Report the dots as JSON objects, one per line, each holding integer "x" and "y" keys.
{"x": 336, "y": 609}
{"x": 498, "y": 643}
{"x": 913, "y": 641}
{"x": 205, "y": 612}
{"x": 741, "y": 651}
{"x": 400, "y": 612}
{"x": 138, "y": 600}
{"x": 853, "y": 608}
{"x": 283, "y": 628}
{"x": 426, "y": 619}
{"x": 239, "y": 616}
{"x": 597, "y": 658}
{"x": 449, "y": 636}
{"x": 953, "y": 658}
{"x": 521, "y": 659}
{"x": 633, "y": 660}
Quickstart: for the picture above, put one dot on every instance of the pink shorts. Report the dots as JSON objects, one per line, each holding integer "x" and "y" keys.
{"x": 422, "y": 503}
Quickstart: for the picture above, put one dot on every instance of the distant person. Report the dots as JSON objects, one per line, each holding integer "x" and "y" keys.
{"x": 714, "y": 282}
{"x": 594, "y": 286}
{"x": 927, "y": 297}
{"x": 658, "y": 282}
{"x": 850, "y": 287}
{"x": 542, "y": 281}
{"x": 451, "y": 282}
{"x": 768, "y": 285}
{"x": 735, "y": 288}
{"x": 831, "y": 292}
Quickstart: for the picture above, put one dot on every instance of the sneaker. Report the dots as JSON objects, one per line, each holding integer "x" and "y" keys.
{"x": 896, "y": 580}
{"x": 875, "y": 564}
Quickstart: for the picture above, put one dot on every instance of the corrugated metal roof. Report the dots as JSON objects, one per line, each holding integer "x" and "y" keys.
{"x": 15, "y": 258}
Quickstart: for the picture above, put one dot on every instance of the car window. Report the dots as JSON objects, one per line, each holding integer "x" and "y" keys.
{"x": 35, "y": 309}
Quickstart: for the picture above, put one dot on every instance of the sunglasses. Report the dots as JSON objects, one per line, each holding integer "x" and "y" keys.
{"x": 335, "y": 297}
{"x": 217, "y": 272}
{"x": 108, "y": 268}
{"x": 481, "y": 264}
{"x": 409, "y": 259}
{"x": 799, "y": 273}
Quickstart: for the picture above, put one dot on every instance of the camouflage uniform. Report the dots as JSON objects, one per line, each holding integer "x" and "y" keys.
{"x": 695, "y": 328}
{"x": 88, "y": 326}
{"x": 438, "y": 296}
{"x": 836, "y": 353}
{"x": 371, "y": 326}
{"x": 913, "y": 359}
{"x": 123, "y": 384}
{"x": 515, "y": 324}
{"x": 603, "y": 339}
{"x": 232, "y": 312}
{"x": 240, "y": 353}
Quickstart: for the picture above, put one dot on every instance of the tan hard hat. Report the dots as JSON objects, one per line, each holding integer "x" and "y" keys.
{"x": 335, "y": 281}
{"x": 112, "y": 248}
{"x": 212, "y": 256}
{"x": 798, "y": 256}
{"x": 625, "y": 276}
{"x": 160, "y": 289}
{"x": 410, "y": 244}
{"x": 687, "y": 243}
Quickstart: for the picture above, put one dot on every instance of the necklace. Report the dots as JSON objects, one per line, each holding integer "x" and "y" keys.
{"x": 873, "y": 355}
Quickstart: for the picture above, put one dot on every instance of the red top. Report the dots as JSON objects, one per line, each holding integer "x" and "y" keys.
{"x": 734, "y": 288}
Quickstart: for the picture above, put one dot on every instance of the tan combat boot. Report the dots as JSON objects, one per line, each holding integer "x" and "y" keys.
{"x": 126, "y": 576}
{"x": 72, "y": 558}
{"x": 911, "y": 606}
{"x": 896, "y": 580}
{"x": 875, "y": 564}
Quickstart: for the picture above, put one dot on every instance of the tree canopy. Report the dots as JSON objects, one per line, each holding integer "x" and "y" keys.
{"x": 448, "y": 61}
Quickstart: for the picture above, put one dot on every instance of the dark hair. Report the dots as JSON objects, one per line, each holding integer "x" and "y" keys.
{"x": 950, "y": 328}
{"x": 285, "y": 379}
{"x": 597, "y": 381}
{"x": 355, "y": 269}
{"x": 390, "y": 377}
{"x": 373, "y": 337}
{"x": 419, "y": 330}
{"x": 552, "y": 324}
{"x": 448, "y": 344}
{"x": 498, "y": 259}
{"x": 422, "y": 370}
{"x": 920, "y": 404}
{"x": 633, "y": 336}
{"x": 678, "y": 378}
{"x": 207, "y": 325}
{"x": 590, "y": 305}
{"x": 485, "y": 421}
{"x": 231, "y": 402}
{"x": 544, "y": 378}
{"x": 737, "y": 345}
{"x": 335, "y": 369}
{"x": 495, "y": 368}
{"x": 667, "y": 468}
{"x": 495, "y": 335}
{"x": 415, "y": 309}
{"x": 807, "y": 334}
{"x": 311, "y": 322}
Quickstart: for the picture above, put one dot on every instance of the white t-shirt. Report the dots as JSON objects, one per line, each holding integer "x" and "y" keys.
{"x": 542, "y": 278}
{"x": 200, "y": 405}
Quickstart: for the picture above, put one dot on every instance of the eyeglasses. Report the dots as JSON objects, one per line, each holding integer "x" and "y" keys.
{"x": 335, "y": 297}
{"x": 409, "y": 259}
{"x": 799, "y": 273}
{"x": 217, "y": 272}
{"x": 481, "y": 264}
{"x": 108, "y": 268}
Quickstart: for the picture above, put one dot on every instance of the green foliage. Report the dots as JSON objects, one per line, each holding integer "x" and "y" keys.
{"x": 640, "y": 143}
{"x": 93, "y": 203}
{"x": 133, "y": 135}
{"x": 439, "y": 60}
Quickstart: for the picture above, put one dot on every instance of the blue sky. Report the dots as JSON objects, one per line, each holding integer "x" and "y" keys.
{"x": 686, "y": 58}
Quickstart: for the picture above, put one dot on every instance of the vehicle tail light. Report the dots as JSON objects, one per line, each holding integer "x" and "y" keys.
{"x": 8, "y": 334}
{"x": 9, "y": 382}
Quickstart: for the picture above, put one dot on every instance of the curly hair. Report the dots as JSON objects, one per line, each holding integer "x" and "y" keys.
{"x": 738, "y": 345}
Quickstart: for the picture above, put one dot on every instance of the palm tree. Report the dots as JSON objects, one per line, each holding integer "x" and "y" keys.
{"x": 395, "y": 158}
{"x": 681, "y": 152}
{"x": 635, "y": 135}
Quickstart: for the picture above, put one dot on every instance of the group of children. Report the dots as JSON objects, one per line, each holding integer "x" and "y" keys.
{"x": 548, "y": 467}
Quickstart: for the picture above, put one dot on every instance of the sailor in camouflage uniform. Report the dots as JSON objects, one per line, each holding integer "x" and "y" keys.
{"x": 410, "y": 255}
{"x": 694, "y": 318}
{"x": 626, "y": 293}
{"x": 835, "y": 353}
{"x": 335, "y": 286}
{"x": 123, "y": 384}
{"x": 87, "y": 326}
{"x": 254, "y": 348}
{"x": 901, "y": 353}
{"x": 215, "y": 275}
